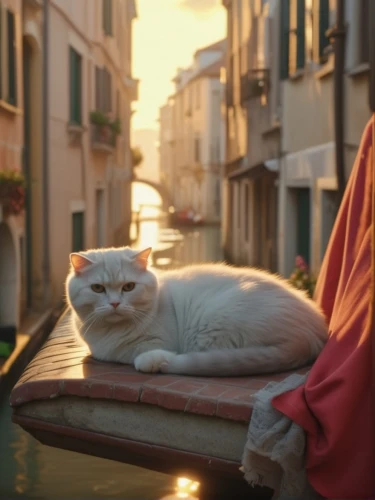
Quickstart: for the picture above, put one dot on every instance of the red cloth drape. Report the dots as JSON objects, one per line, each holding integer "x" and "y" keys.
{"x": 335, "y": 406}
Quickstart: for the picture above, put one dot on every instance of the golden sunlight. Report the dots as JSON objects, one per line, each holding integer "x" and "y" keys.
{"x": 166, "y": 34}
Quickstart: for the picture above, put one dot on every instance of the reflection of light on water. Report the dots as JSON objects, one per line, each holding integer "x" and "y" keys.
{"x": 148, "y": 234}
{"x": 185, "y": 488}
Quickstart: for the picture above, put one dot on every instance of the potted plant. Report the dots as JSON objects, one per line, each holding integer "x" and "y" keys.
{"x": 301, "y": 278}
{"x": 116, "y": 126}
{"x": 101, "y": 120}
{"x": 12, "y": 191}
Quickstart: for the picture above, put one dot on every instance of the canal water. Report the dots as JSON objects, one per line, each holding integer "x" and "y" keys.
{"x": 29, "y": 469}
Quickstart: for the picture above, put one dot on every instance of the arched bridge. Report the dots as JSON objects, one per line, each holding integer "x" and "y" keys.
{"x": 161, "y": 189}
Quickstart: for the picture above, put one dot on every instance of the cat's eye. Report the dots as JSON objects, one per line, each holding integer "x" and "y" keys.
{"x": 97, "y": 288}
{"x": 128, "y": 287}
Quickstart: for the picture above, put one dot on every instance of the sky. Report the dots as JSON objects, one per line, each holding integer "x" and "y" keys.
{"x": 166, "y": 35}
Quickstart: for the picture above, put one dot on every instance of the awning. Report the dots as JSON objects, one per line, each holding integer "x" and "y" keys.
{"x": 255, "y": 171}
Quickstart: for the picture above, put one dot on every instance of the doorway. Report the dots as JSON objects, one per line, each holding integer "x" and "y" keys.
{"x": 8, "y": 278}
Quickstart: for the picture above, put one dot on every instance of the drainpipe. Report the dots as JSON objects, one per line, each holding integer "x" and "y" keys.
{"x": 45, "y": 150}
{"x": 338, "y": 35}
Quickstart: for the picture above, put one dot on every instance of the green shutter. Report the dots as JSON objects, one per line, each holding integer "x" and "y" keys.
{"x": 284, "y": 41}
{"x": 72, "y": 84}
{"x": 78, "y": 228}
{"x": 75, "y": 87}
{"x": 303, "y": 223}
{"x": 300, "y": 34}
{"x": 12, "y": 70}
{"x": 107, "y": 17}
{"x": 323, "y": 25}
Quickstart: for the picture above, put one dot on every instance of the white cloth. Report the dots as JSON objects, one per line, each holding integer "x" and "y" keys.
{"x": 274, "y": 454}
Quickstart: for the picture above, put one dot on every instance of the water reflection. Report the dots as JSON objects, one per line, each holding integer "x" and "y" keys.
{"x": 185, "y": 246}
{"x": 29, "y": 469}
{"x": 185, "y": 488}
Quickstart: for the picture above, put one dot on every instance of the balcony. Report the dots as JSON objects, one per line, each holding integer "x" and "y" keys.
{"x": 254, "y": 84}
{"x": 103, "y": 138}
{"x": 132, "y": 84}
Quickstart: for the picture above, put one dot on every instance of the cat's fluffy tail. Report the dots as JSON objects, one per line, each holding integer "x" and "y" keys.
{"x": 240, "y": 362}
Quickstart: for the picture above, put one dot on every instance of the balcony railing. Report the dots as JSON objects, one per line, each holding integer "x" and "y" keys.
{"x": 254, "y": 84}
{"x": 103, "y": 137}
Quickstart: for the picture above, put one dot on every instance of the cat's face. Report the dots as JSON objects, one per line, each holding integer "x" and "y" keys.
{"x": 111, "y": 285}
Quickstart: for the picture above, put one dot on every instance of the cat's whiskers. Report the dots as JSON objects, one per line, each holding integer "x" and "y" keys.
{"x": 88, "y": 327}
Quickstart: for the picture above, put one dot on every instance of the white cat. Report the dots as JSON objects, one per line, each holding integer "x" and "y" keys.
{"x": 212, "y": 320}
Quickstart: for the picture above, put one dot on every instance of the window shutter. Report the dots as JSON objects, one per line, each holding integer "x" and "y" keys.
{"x": 75, "y": 87}
{"x": 292, "y": 36}
{"x": 78, "y": 228}
{"x": 72, "y": 84}
{"x": 106, "y": 91}
{"x": 107, "y": 17}
{"x": 364, "y": 31}
{"x": 323, "y": 25}
{"x": 12, "y": 69}
{"x": 267, "y": 42}
{"x": 320, "y": 26}
{"x": 97, "y": 88}
{"x": 284, "y": 42}
{"x": 79, "y": 88}
{"x": 300, "y": 34}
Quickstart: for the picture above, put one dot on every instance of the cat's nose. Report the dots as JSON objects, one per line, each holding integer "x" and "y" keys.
{"x": 115, "y": 304}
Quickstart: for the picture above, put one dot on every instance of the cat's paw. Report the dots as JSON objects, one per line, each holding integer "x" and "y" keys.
{"x": 153, "y": 361}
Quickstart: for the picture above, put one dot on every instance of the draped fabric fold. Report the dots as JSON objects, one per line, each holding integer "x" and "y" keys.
{"x": 334, "y": 406}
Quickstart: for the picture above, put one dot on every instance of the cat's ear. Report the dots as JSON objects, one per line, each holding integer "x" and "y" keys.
{"x": 79, "y": 262}
{"x": 141, "y": 258}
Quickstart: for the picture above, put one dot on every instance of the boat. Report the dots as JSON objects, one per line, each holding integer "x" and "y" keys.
{"x": 186, "y": 217}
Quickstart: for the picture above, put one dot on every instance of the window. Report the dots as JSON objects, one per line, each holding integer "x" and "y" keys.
{"x": 78, "y": 228}
{"x": 8, "y": 57}
{"x": 197, "y": 95}
{"x": 320, "y": 27}
{"x": 197, "y": 149}
{"x": 103, "y": 90}
{"x": 284, "y": 40}
{"x": 247, "y": 210}
{"x": 107, "y": 17}
{"x": 364, "y": 32}
{"x": 11, "y": 38}
{"x": 75, "y": 87}
{"x": 297, "y": 36}
{"x": 118, "y": 103}
{"x": 303, "y": 223}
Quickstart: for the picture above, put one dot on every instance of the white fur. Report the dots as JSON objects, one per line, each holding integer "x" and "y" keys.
{"x": 209, "y": 319}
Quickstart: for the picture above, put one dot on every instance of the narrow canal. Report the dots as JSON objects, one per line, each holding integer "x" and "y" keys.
{"x": 31, "y": 470}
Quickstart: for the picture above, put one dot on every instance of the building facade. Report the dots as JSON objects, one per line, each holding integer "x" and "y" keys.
{"x": 253, "y": 133}
{"x": 12, "y": 223}
{"x": 90, "y": 93}
{"x": 281, "y": 169}
{"x": 192, "y": 135}
{"x": 66, "y": 90}
{"x": 308, "y": 173}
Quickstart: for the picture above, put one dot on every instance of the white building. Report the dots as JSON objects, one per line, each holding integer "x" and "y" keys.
{"x": 192, "y": 135}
